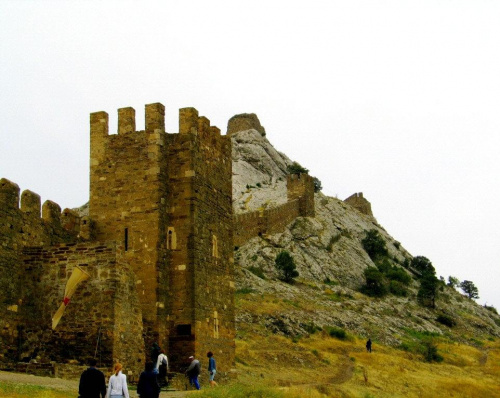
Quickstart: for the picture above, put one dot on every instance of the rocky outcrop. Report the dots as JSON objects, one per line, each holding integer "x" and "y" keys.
{"x": 331, "y": 261}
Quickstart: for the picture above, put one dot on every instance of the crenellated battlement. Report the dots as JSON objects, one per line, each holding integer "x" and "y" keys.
{"x": 9, "y": 194}
{"x": 31, "y": 203}
{"x": 37, "y": 223}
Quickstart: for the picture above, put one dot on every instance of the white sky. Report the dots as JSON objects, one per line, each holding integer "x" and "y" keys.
{"x": 396, "y": 99}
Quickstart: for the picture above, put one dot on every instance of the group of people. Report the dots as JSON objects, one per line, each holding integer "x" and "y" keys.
{"x": 93, "y": 385}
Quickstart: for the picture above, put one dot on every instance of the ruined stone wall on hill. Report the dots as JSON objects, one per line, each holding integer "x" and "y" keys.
{"x": 103, "y": 317}
{"x": 247, "y": 226}
{"x": 261, "y": 222}
{"x": 300, "y": 194}
{"x": 24, "y": 222}
{"x": 360, "y": 203}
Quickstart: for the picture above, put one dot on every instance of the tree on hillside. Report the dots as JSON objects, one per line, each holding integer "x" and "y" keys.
{"x": 428, "y": 291}
{"x": 453, "y": 282}
{"x": 470, "y": 289}
{"x": 296, "y": 168}
{"x": 286, "y": 267}
{"x": 376, "y": 284}
{"x": 374, "y": 244}
{"x": 422, "y": 265}
{"x": 317, "y": 184}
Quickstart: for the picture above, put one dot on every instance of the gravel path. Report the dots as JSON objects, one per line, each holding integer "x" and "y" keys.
{"x": 70, "y": 385}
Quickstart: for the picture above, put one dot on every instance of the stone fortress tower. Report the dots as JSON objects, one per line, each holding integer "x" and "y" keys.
{"x": 157, "y": 244}
{"x": 166, "y": 199}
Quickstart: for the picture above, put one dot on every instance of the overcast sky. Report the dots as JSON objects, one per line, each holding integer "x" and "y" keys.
{"x": 399, "y": 100}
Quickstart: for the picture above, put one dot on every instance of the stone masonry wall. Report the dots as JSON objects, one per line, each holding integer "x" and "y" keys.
{"x": 300, "y": 194}
{"x": 301, "y": 186}
{"x": 244, "y": 121}
{"x": 103, "y": 317}
{"x": 201, "y": 294}
{"x": 360, "y": 203}
{"x": 214, "y": 266}
{"x": 25, "y": 224}
{"x": 128, "y": 199}
{"x": 269, "y": 221}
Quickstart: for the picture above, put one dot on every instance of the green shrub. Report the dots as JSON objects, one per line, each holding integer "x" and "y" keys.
{"x": 257, "y": 271}
{"x": 310, "y": 327}
{"x": 317, "y": 184}
{"x": 431, "y": 352}
{"x": 491, "y": 308}
{"x": 286, "y": 267}
{"x": 446, "y": 320}
{"x": 328, "y": 281}
{"x": 428, "y": 290}
{"x": 398, "y": 274}
{"x": 398, "y": 289}
{"x": 422, "y": 265}
{"x": 296, "y": 168}
{"x": 375, "y": 283}
{"x": 336, "y": 332}
{"x": 374, "y": 244}
{"x": 245, "y": 290}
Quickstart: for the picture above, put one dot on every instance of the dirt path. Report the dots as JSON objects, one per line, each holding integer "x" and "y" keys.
{"x": 70, "y": 385}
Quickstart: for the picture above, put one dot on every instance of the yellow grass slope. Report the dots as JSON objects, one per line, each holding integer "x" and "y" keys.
{"x": 324, "y": 366}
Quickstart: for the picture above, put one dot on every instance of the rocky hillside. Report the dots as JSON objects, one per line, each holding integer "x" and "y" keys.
{"x": 331, "y": 261}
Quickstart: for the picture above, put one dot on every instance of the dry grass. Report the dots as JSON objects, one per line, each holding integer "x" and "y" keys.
{"x": 13, "y": 390}
{"x": 332, "y": 368}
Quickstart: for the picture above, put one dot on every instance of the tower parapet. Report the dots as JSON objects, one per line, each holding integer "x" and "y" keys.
{"x": 301, "y": 187}
{"x": 362, "y": 205}
{"x": 244, "y": 121}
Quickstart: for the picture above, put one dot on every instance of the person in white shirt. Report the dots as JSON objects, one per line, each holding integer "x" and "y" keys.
{"x": 162, "y": 368}
{"x": 117, "y": 387}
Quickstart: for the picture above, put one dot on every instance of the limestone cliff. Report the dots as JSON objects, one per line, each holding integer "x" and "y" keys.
{"x": 331, "y": 261}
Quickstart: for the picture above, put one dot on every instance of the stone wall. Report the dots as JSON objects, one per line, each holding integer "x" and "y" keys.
{"x": 128, "y": 199}
{"x": 103, "y": 317}
{"x": 200, "y": 242}
{"x": 360, "y": 203}
{"x": 24, "y": 225}
{"x": 244, "y": 121}
{"x": 300, "y": 194}
{"x": 269, "y": 221}
{"x": 301, "y": 186}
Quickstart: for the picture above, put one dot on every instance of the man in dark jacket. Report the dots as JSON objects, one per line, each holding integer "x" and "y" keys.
{"x": 92, "y": 383}
{"x": 148, "y": 386}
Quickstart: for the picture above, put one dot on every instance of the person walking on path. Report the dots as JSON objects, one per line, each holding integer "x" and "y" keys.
{"x": 161, "y": 368}
{"x": 148, "y": 386}
{"x": 212, "y": 368}
{"x": 193, "y": 372}
{"x": 92, "y": 383}
{"x": 369, "y": 345}
{"x": 117, "y": 386}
